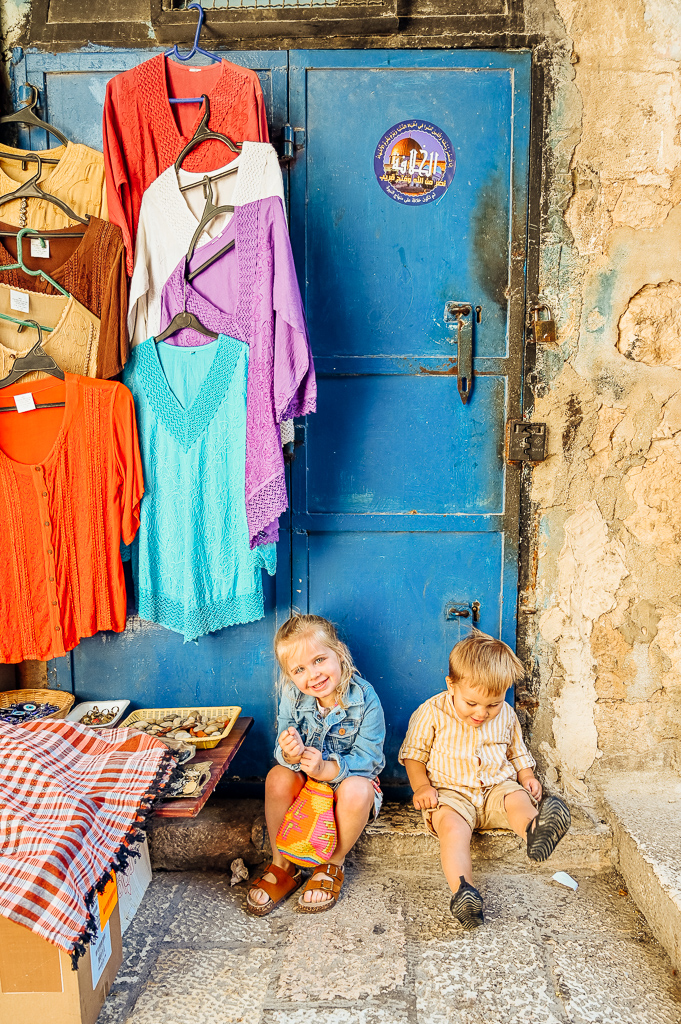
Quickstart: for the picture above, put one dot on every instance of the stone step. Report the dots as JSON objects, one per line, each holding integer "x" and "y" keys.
{"x": 644, "y": 810}
{"x": 227, "y": 829}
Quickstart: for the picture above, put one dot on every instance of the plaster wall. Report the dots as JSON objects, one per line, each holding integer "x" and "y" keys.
{"x": 605, "y": 600}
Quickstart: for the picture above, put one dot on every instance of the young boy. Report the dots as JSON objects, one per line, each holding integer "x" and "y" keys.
{"x": 470, "y": 769}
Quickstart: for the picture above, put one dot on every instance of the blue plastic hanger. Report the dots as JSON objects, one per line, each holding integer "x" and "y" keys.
{"x": 175, "y": 53}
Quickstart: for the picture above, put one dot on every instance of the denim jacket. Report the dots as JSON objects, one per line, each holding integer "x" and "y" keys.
{"x": 353, "y": 736}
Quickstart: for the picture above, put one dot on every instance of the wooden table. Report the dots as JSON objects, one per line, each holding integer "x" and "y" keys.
{"x": 220, "y": 757}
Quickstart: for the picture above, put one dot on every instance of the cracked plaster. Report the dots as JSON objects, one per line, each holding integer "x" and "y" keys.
{"x": 607, "y": 636}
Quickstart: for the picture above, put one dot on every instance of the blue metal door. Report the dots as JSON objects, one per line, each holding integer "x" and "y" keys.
{"x": 403, "y": 512}
{"x": 404, "y": 516}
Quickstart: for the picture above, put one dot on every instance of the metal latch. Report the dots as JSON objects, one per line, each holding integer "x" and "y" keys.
{"x": 461, "y": 315}
{"x": 542, "y": 331}
{"x": 525, "y": 442}
{"x": 462, "y": 611}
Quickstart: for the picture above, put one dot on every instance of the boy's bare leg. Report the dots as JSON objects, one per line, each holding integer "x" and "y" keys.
{"x": 281, "y": 788}
{"x": 455, "y": 845}
{"x": 520, "y": 811}
{"x": 354, "y": 801}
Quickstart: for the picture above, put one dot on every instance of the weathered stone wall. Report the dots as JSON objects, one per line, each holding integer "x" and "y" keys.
{"x": 607, "y": 501}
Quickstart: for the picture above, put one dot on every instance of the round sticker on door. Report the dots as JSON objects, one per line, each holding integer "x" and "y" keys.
{"x": 414, "y": 162}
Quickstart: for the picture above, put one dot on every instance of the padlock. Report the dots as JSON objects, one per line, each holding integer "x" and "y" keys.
{"x": 543, "y": 331}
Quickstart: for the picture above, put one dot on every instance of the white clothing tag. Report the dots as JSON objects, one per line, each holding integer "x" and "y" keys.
{"x": 19, "y": 301}
{"x": 40, "y": 247}
{"x": 24, "y": 403}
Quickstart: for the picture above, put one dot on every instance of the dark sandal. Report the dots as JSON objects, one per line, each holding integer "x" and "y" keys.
{"x": 546, "y": 830}
{"x": 331, "y": 883}
{"x": 285, "y": 885}
{"x": 466, "y": 906}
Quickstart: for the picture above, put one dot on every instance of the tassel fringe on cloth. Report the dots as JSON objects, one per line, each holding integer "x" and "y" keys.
{"x": 72, "y": 800}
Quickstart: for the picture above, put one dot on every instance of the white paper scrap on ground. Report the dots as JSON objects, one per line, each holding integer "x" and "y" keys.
{"x": 565, "y": 879}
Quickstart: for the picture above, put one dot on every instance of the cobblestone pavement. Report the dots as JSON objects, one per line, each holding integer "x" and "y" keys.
{"x": 389, "y": 953}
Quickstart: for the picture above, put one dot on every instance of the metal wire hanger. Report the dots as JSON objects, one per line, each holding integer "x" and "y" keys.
{"x": 35, "y": 359}
{"x": 175, "y": 53}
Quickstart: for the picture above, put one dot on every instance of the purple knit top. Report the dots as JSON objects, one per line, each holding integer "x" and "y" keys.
{"x": 251, "y": 293}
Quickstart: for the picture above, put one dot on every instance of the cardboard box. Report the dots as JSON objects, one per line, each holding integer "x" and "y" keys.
{"x": 133, "y": 883}
{"x": 38, "y": 984}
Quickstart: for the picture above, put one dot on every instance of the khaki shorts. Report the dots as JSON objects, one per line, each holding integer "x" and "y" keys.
{"x": 492, "y": 814}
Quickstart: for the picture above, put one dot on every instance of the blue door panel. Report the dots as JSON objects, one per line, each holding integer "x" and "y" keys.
{"x": 405, "y": 444}
{"x": 419, "y": 256}
{"x": 73, "y": 85}
{"x": 378, "y": 585}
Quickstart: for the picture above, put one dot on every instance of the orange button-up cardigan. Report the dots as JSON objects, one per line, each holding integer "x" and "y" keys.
{"x": 70, "y": 489}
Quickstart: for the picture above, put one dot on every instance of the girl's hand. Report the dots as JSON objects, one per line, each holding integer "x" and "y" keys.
{"x": 533, "y": 787}
{"x": 425, "y": 797}
{"x": 291, "y": 744}
{"x": 312, "y": 762}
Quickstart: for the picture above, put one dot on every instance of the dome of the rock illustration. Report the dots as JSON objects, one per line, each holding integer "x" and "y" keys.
{"x": 404, "y": 147}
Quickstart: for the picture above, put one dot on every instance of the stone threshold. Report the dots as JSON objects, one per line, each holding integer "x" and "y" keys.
{"x": 643, "y": 809}
{"x": 227, "y": 829}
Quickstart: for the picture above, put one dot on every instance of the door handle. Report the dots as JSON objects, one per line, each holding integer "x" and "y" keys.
{"x": 460, "y": 315}
{"x": 462, "y": 611}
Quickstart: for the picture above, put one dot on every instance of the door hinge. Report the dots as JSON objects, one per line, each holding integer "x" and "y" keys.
{"x": 525, "y": 442}
{"x": 294, "y": 139}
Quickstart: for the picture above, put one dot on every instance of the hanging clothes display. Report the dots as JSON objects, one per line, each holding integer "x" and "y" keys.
{"x": 169, "y": 218}
{"x": 144, "y": 134}
{"x": 251, "y": 293}
{"x": 73, "y": 341}
{"x": 70, "y": 490}
{"x": 92, "y": 269}
{"x": 77, "y": 179}
{"x": 193, "y": 568}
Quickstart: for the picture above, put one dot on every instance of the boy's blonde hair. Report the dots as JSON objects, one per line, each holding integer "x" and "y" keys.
{"x": 489, "y": 665}
{"x": 313, "y": 627}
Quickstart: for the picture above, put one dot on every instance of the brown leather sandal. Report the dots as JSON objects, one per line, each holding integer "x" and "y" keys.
{"x": 277, "y": 892}
{"x": 331, "y": 883}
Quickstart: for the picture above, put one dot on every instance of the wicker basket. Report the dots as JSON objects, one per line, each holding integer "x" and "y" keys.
{"x": 63, "y": 700}
{"x": 160, "y": 714}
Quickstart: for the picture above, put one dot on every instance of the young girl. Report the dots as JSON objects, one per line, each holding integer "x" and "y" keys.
{"x": 331, "y": 728}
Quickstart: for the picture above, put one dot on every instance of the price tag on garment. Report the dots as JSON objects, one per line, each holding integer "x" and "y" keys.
{"x": 24, "y": 403}
{"x": 19, "y": 301}
{"x": 40, "y": 247}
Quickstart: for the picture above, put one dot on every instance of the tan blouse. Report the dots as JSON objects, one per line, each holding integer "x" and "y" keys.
{"x": 78, "y": 180}
{"x": 72, "y": 343}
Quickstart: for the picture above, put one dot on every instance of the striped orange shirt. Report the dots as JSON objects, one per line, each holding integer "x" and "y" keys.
{"x": 462, "y": 757}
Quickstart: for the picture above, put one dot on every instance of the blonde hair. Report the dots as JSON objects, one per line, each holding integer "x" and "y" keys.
{"x": 314, "y": 627}
{"x": 487, "y": 664}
